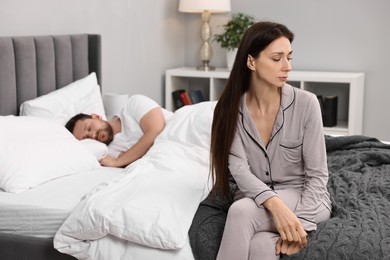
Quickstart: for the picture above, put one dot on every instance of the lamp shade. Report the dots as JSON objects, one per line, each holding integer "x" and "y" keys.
{"x": 198, "y": 6}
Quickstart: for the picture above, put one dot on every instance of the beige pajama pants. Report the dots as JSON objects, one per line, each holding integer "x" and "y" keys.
{"x": 250, "y": 232}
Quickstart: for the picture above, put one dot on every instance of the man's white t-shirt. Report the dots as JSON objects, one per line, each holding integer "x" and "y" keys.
{"x": 135, "y": 108}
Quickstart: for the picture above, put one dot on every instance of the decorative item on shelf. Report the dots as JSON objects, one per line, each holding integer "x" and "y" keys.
{"x": 232, "y": 34}
{"x": 114, "y": 103}
{"x": 330, "y": 111}
{"x": 230, "y": 57}
{"x": 206, "y": 7}
{"x": 328, "y": 106}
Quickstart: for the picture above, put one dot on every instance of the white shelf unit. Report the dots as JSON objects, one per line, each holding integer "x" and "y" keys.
{"x": 348, "y": 87}
{"x": 211, "y": 83}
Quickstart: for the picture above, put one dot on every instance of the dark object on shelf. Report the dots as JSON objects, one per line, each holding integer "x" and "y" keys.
{"x": 196, "y": 96}
{"x": 177, "y": 100}
{"x": 330, "y": 111}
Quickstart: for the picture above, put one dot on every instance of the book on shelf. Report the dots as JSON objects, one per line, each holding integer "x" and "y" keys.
{"x": 196, "y": 96}
{"x": 177, "y": 100}
{"x": 185, "y": 98}
{"x": 182, "y": 97}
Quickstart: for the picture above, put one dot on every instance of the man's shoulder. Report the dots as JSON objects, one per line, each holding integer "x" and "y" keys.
{"x": 140, "y": 99}
{"x": 138, "y": 105}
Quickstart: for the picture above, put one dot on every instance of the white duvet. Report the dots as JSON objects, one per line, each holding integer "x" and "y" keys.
{"x": 153, "y": 202}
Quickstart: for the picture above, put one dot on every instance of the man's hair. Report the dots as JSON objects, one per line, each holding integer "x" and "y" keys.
{"x": 72, "y": 122}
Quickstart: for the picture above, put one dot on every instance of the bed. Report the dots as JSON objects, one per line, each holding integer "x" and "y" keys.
{"x": 56, "y": 201}
{"x": 62, "y": 218}
{"x": 359, "y": 227}
{"x": 31, "y": 67}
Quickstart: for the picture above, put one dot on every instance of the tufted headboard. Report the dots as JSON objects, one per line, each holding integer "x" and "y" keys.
{"x": 31, "y": 66}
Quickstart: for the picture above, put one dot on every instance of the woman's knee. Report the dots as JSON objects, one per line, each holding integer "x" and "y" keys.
{"x": 244, "y": 212}
{"x": 242, "y": 209}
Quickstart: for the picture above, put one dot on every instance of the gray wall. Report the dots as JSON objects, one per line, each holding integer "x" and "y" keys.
{"x": 141, "y": 39}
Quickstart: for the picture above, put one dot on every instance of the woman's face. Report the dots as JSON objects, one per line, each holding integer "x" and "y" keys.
{"x": 272, "y": 65}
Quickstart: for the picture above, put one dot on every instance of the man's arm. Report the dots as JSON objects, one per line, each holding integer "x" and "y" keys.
{"x": 152, "y": 124}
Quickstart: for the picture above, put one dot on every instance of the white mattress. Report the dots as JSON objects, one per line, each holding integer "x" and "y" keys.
{"x": 40, "y": 211}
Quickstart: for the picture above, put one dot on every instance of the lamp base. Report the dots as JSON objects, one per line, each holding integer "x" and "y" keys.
{"x": 206, "y": 67}
{"x": 206, "y": 52}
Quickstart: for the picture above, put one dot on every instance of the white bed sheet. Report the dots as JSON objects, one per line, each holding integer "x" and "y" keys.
{"x": 153, "y": 204}
{"x": 120, "y": 249}
{"x": 40, "y": 211}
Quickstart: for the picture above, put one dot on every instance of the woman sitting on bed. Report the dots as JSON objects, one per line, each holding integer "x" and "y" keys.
{"x": 129, "y": 135}
{"x": 269, "y": 136}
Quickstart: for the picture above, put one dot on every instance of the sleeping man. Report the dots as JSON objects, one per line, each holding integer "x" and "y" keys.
{"x": 129, "y": 135}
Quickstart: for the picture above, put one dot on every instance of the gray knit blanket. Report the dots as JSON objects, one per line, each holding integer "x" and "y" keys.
{"x": 359, "y": 228}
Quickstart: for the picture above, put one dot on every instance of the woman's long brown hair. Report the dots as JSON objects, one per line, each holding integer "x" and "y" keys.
{"x": 224, "y": 125}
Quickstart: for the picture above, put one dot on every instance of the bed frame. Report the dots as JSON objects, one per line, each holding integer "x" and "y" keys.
{"x": 31, "y": 66}
{"x": 36, "y": 65}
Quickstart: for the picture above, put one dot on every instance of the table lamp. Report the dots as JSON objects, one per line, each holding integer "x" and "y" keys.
{"x": 205, "y": 7}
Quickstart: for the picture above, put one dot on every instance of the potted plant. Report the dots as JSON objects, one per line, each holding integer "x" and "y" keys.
{"x": 231, "y": 36}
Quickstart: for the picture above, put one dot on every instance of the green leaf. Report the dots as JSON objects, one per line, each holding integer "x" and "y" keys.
{"x": 234, "y": 30}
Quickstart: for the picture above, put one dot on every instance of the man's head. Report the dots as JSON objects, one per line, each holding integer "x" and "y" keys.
{"x": 84, "y": 126}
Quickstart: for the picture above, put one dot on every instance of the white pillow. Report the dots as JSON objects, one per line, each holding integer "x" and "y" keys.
{"x": 99, "y": 149}
{"x": 35, "y": 150}
{"x": 81, "y": 96}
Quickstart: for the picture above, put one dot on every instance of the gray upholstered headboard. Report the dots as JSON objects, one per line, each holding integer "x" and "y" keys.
{"x": 31, "y": 66}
